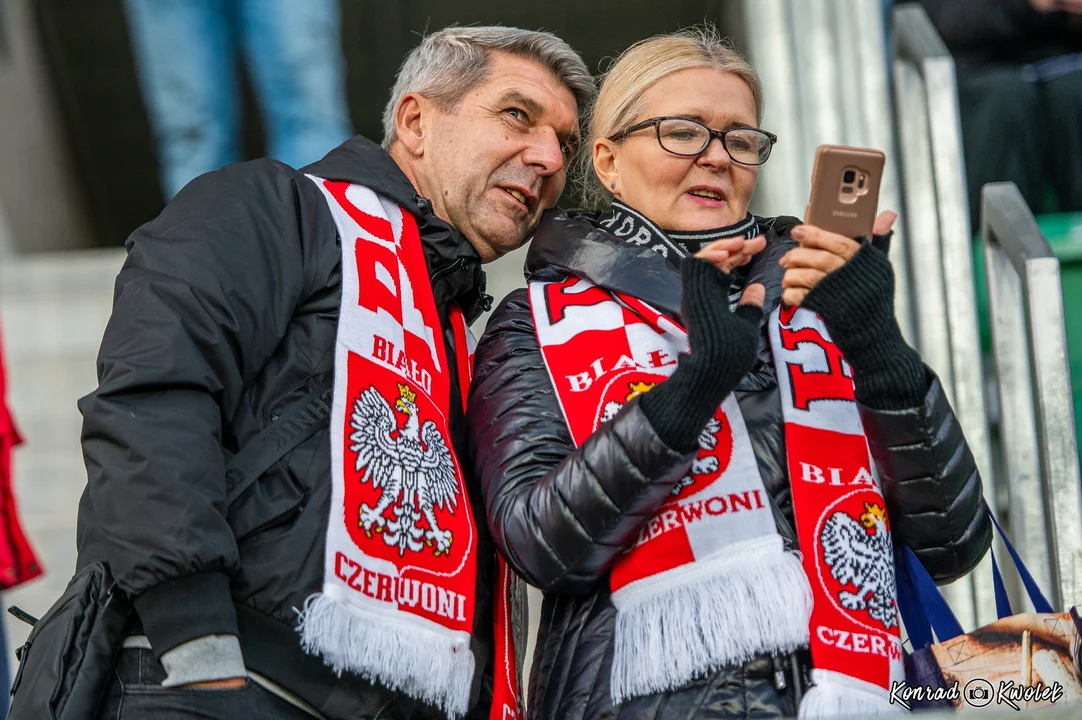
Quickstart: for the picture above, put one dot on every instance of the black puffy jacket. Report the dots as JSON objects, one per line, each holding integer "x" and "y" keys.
{"x": 225, "y": 317}
{"x": 562, "y": 515}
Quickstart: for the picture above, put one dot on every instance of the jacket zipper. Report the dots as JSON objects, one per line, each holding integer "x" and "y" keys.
{"x": 389, "y": 703}
{"x": 779, "y": 673}
{"x": 447, "y": 269}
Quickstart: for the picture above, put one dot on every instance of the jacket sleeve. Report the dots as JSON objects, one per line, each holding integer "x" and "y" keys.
{"x": 203, "y": 298}
{"x": 560, "y": 515}
{"x": 931, "y": 482}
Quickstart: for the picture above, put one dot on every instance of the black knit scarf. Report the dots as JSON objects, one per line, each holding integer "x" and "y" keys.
{"x": 634, "y": 228}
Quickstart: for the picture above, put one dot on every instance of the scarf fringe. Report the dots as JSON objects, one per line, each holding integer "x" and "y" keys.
{"x": 714, "y": 618}
{"x": 837, "y": 697}
{"x": 402, "y": 656}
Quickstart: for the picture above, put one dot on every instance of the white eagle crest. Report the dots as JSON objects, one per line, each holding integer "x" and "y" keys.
{"x": 612, "y": 407}
{"x": 708, "y": 438}
{"x": 415, "y": 471}
{"x": 860, "y": 554}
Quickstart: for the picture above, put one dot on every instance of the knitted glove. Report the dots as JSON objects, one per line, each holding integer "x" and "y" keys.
{"x": 856, "y": 302}
{"x": 722, "y": 350}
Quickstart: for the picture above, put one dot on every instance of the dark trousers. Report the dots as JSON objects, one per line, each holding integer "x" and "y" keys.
{"x": 136, "y": 694}
{"x": 1026, "y": 133}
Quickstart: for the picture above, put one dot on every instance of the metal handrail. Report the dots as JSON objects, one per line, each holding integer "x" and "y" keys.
{"x": 940, "y": 253}
{"x": 1029, "y": 339}
{"x": 823, "y": 65}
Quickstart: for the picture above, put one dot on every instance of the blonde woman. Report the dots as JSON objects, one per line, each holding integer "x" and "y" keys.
{"x": 701, "y": 433}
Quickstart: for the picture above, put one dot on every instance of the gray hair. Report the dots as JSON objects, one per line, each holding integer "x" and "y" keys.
{"x": 451, "y": 62}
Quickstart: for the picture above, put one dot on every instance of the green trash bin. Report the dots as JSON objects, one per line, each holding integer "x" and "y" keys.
{"x": 1064, "y": 234}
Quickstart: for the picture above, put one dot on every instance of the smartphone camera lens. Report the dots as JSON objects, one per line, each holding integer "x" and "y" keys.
{"x": 849, "y": 176}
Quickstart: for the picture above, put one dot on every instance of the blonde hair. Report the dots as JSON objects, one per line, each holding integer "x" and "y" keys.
{"x": 638, "y": 69}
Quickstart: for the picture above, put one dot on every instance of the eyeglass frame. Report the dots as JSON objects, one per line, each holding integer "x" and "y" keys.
{"x": 711, "y": 134}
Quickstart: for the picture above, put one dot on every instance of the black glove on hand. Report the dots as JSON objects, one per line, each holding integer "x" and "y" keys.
{"x": 722, "y": 345}
{"x": 856, "y": 302}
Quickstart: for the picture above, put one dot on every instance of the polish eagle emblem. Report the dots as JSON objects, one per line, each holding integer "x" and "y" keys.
{"x": 708, "y": 438}
{"x": 702, "y": 464}
{"x": 413, "y": 467}
{"x": 859, "y": 553}
{"x": 612, "y": 407}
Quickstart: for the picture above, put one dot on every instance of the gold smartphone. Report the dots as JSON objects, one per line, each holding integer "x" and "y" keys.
{"x": 845, "y": 190}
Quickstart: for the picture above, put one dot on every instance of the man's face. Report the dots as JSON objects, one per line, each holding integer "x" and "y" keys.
{"x": 492, "y": 164}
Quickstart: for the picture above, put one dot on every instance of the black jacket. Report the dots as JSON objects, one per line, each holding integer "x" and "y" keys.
{"x": 561, "y": 515}
{"x": 225, "y": 316}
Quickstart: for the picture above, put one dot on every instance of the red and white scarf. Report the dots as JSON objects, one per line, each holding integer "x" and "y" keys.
{"x": 708, "y": 584}
{"x": 400, "y": 571}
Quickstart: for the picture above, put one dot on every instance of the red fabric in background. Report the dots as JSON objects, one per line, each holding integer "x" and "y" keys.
{"x": 18, "y": 563}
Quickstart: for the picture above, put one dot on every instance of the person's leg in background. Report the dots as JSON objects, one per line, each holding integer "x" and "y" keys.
{"x": 293, "y": 49}
{"x": 1063, "y": 110}
{"x": 1002, "y": 131}
{"x": 184, "y": 60}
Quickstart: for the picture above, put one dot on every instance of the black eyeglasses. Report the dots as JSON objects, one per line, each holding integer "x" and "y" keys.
{"x": 680, "y": 136}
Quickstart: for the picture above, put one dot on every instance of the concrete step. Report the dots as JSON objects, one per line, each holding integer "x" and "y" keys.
{"x": 53, "y": 311}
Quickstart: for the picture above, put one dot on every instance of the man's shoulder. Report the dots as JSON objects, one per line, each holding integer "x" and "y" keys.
{"x": 264, "y": 181}
{"x": 246, "y": 207}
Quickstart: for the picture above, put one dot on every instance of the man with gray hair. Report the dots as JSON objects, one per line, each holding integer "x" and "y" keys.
{"x": 276, "y": 452}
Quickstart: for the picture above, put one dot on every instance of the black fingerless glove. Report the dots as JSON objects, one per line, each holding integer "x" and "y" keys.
{"x": 856, "y": 302}
{"x": 722, "y": 345}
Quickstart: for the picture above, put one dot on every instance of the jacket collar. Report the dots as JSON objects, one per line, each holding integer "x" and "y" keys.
{"x": 454, "y": 266}
{"x": 574, "y": 244}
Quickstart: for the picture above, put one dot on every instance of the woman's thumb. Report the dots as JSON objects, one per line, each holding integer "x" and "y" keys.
{"x": 754, "y": 294}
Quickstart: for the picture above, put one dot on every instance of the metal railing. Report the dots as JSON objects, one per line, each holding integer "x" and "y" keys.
{"x": 940, "y": 254}
{"x": 825, "y": 77}
{"x": 829, "y": 78}
{"x": 1029, "y": 339}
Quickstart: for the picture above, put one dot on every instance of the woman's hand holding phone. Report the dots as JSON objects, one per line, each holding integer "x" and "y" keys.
{"x": 820, "y": 252}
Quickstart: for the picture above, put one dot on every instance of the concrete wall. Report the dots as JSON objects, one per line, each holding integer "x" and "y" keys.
{"x": 53, "y": 310}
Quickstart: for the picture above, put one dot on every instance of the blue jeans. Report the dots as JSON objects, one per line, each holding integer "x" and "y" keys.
{"x": 185, "y": 55}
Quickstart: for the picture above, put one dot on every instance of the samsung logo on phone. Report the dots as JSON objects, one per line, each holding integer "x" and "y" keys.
{"x": 841, "y": 213}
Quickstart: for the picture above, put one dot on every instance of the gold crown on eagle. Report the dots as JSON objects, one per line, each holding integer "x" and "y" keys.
{"x": 638, "y": 388}
{"x": 405, "y": 393}
{"x": 871, "y": 512}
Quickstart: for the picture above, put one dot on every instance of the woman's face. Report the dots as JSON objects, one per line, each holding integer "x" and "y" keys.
{"x": 669, "y": 189}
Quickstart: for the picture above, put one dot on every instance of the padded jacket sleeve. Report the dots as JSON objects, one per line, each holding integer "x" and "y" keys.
{"x": 203, "y": 298}
{"x": 931, "y": 482}
{"x": 560, "y": 515}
